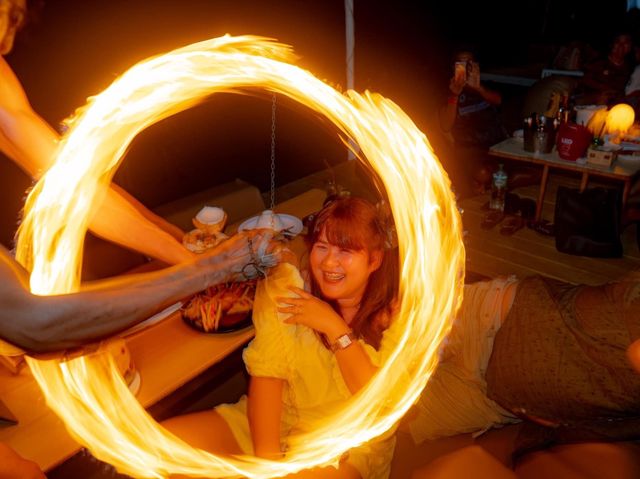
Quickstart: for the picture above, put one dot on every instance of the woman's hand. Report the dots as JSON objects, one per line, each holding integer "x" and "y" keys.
{"x": 312, "y": 312}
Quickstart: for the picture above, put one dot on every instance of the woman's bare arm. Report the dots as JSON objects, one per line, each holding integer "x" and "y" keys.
{"x": 31, "y": 143}
{"x": 264, "y": 410}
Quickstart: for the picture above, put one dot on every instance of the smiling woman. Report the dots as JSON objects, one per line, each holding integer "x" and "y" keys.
{"x": 311, "y": 357}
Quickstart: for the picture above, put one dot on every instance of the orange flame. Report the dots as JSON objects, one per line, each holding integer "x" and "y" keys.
{"x": 89, "y": 394}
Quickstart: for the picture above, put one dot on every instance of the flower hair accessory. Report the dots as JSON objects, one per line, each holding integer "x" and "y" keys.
{"x": 385, "y": 220}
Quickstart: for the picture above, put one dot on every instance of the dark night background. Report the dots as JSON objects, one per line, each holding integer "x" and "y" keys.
{"x": 75, "y": 48}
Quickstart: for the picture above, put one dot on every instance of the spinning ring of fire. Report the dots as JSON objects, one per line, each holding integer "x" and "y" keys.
{"x": 83, "y": 391}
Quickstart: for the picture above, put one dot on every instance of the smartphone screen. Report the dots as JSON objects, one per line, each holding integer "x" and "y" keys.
{"x": 460, "y": 71}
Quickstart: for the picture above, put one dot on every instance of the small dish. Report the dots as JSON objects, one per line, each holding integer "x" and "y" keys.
{"x": 287, "y": 224}
{"x": 198, "y": 241}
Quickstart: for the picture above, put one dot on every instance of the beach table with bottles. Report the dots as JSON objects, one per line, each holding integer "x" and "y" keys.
{"x": 624, "y": 169}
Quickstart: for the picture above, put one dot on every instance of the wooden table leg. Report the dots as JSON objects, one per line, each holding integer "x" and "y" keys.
{"x": 543, "y": 189}
{"x": 583, "y": 181}
{"x": 625, "y": 192}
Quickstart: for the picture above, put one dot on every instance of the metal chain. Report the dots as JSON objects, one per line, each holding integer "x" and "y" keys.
{"x": 273, "y": 152}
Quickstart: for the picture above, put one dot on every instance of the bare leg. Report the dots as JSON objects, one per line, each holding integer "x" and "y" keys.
{"x": 345, "y": 471}
{"x": 471, "y": 461}
{"x": 204, "y": 430}
{"x": 583, "y": 461}
{"x": 12, "y": 466}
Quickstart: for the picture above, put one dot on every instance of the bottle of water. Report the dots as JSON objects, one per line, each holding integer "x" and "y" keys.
{"x": 498, "y": 189}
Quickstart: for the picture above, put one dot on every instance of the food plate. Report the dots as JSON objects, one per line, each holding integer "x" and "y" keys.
{"x": 228, "y": 323}
{"x": 221, "y": 308}
{"x": 198, "y": 241}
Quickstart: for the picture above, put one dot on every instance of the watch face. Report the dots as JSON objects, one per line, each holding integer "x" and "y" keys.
{"x": 344, "y": 341}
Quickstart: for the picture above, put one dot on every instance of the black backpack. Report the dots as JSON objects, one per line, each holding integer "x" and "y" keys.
{"x": 587, "y": 223}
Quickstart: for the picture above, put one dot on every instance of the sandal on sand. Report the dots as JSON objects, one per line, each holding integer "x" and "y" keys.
{"x": 491, "y": 218}
{"x": 511, "y": 224}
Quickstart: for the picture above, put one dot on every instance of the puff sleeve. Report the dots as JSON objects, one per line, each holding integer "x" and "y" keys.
{"x": 271, "y": 352}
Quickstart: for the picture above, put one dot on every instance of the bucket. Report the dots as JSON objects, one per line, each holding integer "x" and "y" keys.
{"x": 573, "y": 141}
{"x": 539, "y": 134}
{"x": 585, "y": 112}
{"x": 542, "y": 141}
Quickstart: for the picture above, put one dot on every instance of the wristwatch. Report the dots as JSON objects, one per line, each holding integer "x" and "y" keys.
{"x": 343, "y": 342}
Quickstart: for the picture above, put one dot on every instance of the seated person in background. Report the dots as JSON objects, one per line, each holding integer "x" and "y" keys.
{"x": 539, "y": 98}
{"x": 470, "y": 119}
{"x": 570, "y": 56}
{"x": 632, "y": 87}
{"x": 558, "y": 357}
{"x": 320, "y": 348}
{"x": 632, "y": 90}
{"x": 605, "y": 77}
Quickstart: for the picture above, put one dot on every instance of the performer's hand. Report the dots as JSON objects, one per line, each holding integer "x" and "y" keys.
{"x": 244, "y": 256}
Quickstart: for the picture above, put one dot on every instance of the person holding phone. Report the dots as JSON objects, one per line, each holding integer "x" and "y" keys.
{"x": 470, "y": 121}
{"x": 465, "y": 91}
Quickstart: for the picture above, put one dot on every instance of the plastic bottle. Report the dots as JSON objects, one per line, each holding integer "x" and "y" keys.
{"x": 529, "y": 128}
{"x": 498, "y": 189}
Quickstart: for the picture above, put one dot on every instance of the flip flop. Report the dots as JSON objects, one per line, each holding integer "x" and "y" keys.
{"x": 527, "y": 208}
{"x": 511, "y": 203}
{"x": 491, "y": 218}
{"x": 511, "y": 224}
{"x": 543, "y": 227}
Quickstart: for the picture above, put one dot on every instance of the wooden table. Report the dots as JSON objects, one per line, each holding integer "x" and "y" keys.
{"x": 624, "y": 169}
{"x": 167, "y": 355}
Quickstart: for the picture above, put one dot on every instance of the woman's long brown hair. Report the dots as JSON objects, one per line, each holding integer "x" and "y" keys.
{"x": 354, "y": 223}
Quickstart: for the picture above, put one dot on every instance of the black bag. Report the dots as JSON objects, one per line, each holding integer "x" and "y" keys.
{"x": 588, "y": 223}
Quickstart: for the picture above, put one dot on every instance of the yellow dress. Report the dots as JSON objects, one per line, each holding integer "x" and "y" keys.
{"x": 313, "y": 382}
